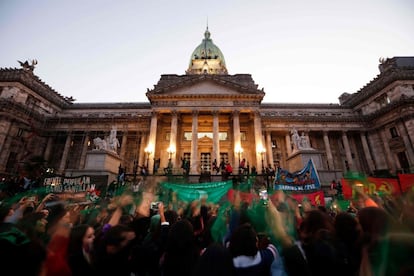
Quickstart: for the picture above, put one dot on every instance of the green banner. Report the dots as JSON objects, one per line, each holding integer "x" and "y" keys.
{"x": 214, "y": 191}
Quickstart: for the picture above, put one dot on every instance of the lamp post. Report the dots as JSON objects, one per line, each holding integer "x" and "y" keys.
{"x": 170, "y": 151}
{"x": 148, "y": 151}
{"x": 239, "y": 151}
{"x": 262, "y": 152}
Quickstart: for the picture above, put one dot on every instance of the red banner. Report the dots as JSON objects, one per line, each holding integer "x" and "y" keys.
{"x": 371, "y": 185}
{"x": 244, "y": 196}
{"x": 406, "y": 182}
{"x": 316, "y": 198}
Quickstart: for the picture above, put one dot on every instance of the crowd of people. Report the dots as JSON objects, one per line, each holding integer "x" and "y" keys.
{"x": 145, "y": 232}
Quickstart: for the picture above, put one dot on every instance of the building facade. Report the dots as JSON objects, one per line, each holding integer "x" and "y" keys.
{"x": 208, "y": 114}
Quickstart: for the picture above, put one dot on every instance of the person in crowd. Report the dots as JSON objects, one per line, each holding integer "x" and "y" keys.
{"x": 222, "y": 166}
{"x": 228, "y": 169}
{"x": 181, "y": 253}
{"x": 247, "y": 258}
{"x": 314, "y": 253}
{"x": 215, "y": 260}
{"x": 349, "y": 240}
{"x": 215, "y": 166}
{"x": 148, "y": 252}
{"x": 16, "y": 245}
{"x": 113, "y": 251}
{"x": 270, "y": 171}
{"x": 34, "y": 225}
{"x": 242, "y": 166}
{"x": 80, "y": 250}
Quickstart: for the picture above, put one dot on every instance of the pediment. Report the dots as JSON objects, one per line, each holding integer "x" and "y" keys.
{"x": 206, "y": 87}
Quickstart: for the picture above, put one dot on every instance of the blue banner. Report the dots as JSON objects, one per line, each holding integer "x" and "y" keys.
{"x": 306, "y": 179}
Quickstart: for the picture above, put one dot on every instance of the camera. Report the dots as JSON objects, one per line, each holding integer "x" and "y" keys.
{"x": 154, "y": 205}
{"x": 263, "y": 196}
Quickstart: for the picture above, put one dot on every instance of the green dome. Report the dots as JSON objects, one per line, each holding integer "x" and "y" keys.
{"x": 207, "y": 58}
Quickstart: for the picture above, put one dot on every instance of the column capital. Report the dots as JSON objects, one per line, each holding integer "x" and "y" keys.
{"x": 215, "y": 112}
{"x": 195, "y": 112}
{"x": 235, "y": 113}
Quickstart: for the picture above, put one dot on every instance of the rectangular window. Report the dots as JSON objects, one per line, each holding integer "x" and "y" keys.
{"x": 205, "y": 161}
{"x": 393, "y": 132}
{"x": 19, "y": 132}
{"x": 224, "y": 157}
{"x": 188, "y": 135}
{"x": 243, "y": 136}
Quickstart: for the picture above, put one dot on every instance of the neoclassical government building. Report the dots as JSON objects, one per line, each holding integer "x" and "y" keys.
{"x": 210, "y": 114}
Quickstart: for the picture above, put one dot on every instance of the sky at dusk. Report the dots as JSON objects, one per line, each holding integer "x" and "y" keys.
{"x": 298, "y": 51}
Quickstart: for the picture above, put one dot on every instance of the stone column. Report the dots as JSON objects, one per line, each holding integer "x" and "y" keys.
{"x": 84, "y": 150}
{"x": 48, "y": 150}
{"x": 328, "y": 151}
{"x": 5, "y": 127}
{"x": 288, "y": 144}
{"x": 173, "y": 137}
{"x": 65, "y": 154}
{"x": 347, "y": 151}
{"x": 5, "y": 145}
{"x": 258, "y": 136}
{"x": 388, "y": 154}
{"x": 151, "y": 142}
{"x": 407, "y": 143}
{"x": 269, "y": 150}
{"x": 237, "y": 141}
{"x": 367, "y": 153}
{"x": 216, "y": 139}
{"x": 123, "y": 149}
{"x": 194, "y": 144}
{"x": 142, "y": 155}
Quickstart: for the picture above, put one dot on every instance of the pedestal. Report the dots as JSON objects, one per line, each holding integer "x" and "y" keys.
{"x": 102, "y": 160}
{"x": 298, "y": 159}
{"x": 101, "y": 165}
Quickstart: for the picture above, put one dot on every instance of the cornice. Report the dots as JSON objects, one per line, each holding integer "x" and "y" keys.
{"x": 18, "y": 110}
{"x": 241, "y": 82}
{"x": 332, "y": 119}
{"x": 394, "y": 106}
{"x": 206, "y": 96}
{"x": 378, "y": 83}
{"x": 138, "y": 105}
{"x": 34, "y": 83}
{"x": 301, "y": 105}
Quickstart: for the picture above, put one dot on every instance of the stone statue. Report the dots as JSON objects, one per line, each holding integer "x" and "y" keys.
{"x": 29, "y": 67}
{"x": 295, "y": 139}
{"x": 304, "y": 142}
{"x": 110, "y": 143}
{"x": 100, "y": 144}
{"x": 300, "y": 142}
{"x": 113, "y": 142}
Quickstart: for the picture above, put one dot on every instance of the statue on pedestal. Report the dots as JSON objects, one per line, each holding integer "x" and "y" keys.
{"x": 295, "y": 139}
{"x": 110, "y": 143}
{"x": 113, "y": 142}
{"x": 300, "y": 142}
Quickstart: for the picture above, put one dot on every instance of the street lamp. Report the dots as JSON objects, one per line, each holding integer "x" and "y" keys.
{"x": 170, "y": 151}
{"x": 148, "y": 151}
{"x": 262, "y": 151}
{"x": 239, "y": 151}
